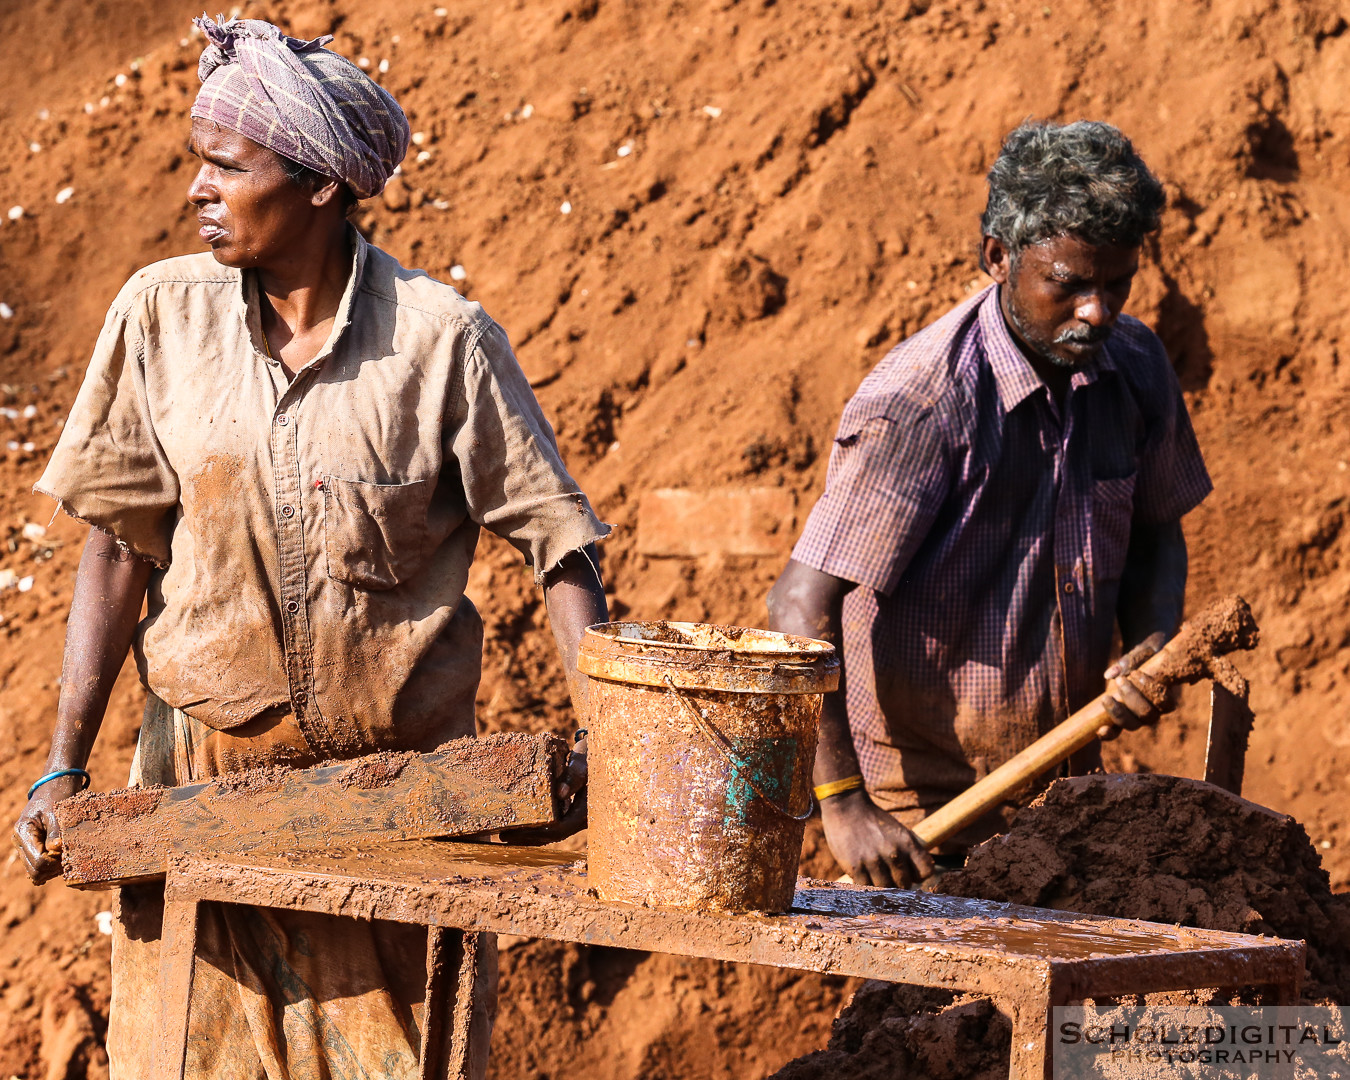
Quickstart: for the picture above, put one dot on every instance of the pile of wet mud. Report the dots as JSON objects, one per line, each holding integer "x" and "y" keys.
{"x": 1162, "y": 848}
{"x": 1169, "y": 850}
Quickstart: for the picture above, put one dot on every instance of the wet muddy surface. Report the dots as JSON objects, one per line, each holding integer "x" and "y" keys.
{"x": 429, "y": 861}
{"x": 998, "y": 927}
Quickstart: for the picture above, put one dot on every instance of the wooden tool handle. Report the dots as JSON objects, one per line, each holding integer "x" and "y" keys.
{"x": 1045, "y": 753}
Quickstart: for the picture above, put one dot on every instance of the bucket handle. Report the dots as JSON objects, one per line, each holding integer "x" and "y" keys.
{"x": 724, "y": 747}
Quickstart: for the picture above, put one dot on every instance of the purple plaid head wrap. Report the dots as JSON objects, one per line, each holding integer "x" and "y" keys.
{"x": 301, "y": 100}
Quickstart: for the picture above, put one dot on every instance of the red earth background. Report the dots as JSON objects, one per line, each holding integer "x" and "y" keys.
{"x": 800, "y": 190}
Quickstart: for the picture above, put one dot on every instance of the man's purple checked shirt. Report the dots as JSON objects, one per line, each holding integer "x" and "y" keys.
{"x": 988, "y": 532}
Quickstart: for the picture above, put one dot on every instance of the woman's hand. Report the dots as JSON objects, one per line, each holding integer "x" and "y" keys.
{"x": 569, "y": 784}
{"x": 109, "y": 588}
{"x": 37, "y": 834}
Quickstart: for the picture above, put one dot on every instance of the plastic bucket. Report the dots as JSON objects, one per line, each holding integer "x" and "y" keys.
{"x": 702, "y": 742}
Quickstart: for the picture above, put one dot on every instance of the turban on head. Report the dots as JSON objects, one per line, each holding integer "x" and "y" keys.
{"x": 301, "y": 100}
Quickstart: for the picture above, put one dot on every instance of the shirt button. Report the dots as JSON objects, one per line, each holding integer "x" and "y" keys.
{"x": 301, "y": 697}
{"x": 292, "y": 606}
{"x": 288, "y": 511}
{"x": 1068, "y": 587}
{"x": 283, "y": 419}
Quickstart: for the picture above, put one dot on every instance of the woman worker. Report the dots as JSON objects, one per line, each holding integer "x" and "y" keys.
{"x": 286, "y": 448}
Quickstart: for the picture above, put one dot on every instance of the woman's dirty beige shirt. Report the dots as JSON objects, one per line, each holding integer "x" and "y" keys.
{"x": 314, "y": 537}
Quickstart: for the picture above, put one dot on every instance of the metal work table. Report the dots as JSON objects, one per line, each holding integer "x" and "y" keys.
{"x": 1025, "y": 959}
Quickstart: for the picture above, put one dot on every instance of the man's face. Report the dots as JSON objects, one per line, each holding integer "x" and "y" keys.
{"x": 249, "y": 209}
{"x": 1063, "y": 296}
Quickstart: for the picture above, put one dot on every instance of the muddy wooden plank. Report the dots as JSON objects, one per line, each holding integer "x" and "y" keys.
{"x": 448, "y": 1035}
{"x": 467, "y": 786}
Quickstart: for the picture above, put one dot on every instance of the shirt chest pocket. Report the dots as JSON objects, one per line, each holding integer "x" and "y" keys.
{"x": 375, "y": 535}
{"x": 1112, "y": 512}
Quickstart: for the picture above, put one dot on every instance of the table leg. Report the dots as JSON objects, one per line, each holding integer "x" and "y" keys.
{"x": 177, "y": 950}
{"x": 1290, "y": 991}
{"x": 440, "y": 993}
{"x": 1031, "y": 1016}
{"x": 452, "y": 970}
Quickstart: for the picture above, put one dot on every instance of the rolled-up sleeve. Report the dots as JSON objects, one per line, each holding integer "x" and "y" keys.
{"x": 515, "y": 482}
{"x": 108, "y": 468}
{"x": 887, "y": 479}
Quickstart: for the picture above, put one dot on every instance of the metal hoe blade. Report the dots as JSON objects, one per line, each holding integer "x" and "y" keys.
{"x": 1230, "y": 725}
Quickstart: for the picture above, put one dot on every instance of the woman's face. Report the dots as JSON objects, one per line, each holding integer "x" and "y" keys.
{"x": 250, "y": 211}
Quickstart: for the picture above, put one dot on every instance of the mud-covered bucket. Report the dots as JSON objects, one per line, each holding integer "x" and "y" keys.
{"x": 702, "y": 741}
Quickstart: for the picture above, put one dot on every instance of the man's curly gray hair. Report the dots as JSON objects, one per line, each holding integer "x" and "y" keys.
{"x": 1082, "y": 179}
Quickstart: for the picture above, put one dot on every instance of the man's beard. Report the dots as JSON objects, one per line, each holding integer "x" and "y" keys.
{"x": 1081, "y": 335}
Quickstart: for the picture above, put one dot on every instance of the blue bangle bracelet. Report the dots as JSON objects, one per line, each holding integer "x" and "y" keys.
{"x": 57, "y": 775}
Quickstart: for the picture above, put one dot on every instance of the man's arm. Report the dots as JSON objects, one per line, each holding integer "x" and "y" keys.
{"x": 109, "y": 589}
{"x": 1152, "y": 595}
{"x": 870, "y": 844}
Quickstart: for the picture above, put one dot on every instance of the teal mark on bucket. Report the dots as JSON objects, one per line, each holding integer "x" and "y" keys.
{"x": 771, "y": 764}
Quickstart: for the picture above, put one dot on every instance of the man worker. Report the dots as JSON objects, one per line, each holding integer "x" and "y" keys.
{"x": 286, "y": 449}
{"x": 1006, "y": 487}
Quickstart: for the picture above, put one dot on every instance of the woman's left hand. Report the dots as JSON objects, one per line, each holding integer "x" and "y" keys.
{"x": 569, "y": 787}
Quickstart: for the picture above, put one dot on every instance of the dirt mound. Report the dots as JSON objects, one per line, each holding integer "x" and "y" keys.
{"x": 72, "y": 1036}
{"x": 892, "y": 1031}
{"x": 1169, "y": 850}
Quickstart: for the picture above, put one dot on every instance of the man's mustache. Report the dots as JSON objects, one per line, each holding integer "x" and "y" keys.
{"x": 1084, "y": 335}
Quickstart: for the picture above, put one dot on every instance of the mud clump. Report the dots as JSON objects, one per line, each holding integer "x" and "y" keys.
{"x": 249, "y": 781}
{"x": 376, "y": 770}
{"x": 88, "y": 805}
{"x": 1225, "y": 626}
{"x": 514, "y": 760}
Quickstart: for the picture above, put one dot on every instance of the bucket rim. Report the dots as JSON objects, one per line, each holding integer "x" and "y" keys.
{"x": 743, "y": 643}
